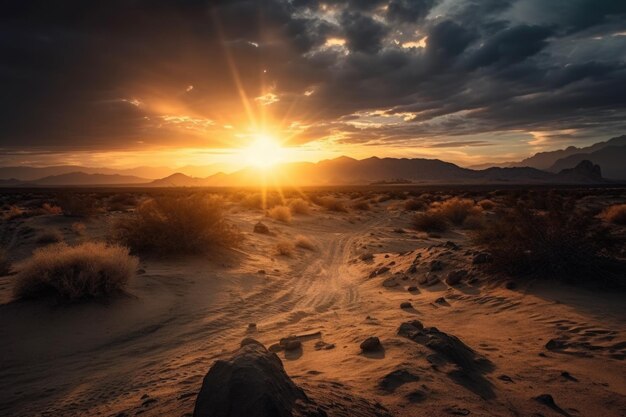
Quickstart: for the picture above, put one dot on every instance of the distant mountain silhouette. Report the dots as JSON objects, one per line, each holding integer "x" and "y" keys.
{"x": 81, "y": 178}
{"x": 612, "y": 159}
{"x": 545, "y": 160}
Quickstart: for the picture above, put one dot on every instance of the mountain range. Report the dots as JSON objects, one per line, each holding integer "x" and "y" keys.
{"x": 571, "y": 165}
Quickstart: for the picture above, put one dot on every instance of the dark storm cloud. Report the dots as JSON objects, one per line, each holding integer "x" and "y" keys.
{"x": 101, "y": 75}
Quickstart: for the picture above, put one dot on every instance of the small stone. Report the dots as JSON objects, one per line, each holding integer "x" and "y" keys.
{"x": 406, "y": 304}
{"x": 441, "y": 300}
{"x": 261, "y": 228}
{"x": 412, "y": 269}
{"x": 412, "y": 288}
{"x": 371, "y": 344}
{"x": 290, "y": 343}
{"x": 454, "y": 277}
{"x": 261, "y": 272}
{"x": 390, "y": 282}
{"x": 436, "y": 265}
{"x": 481, "y": 258}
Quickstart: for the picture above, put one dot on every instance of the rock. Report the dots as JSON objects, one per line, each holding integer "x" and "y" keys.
{"x": 406, "y": 304}
{"x": 261, "y": 272}
{"x": 569, "y": 376}
{"x": 432, "y": 279}
{"x": 261, "y": 228}
{"x": 141, "y": 271}
{"x": 555, "y": 344}
{"x": 451, "y": 245}
{"x": 481, "y": 258}
{"x": 505, "y": 378}
{"x": 436, "y": 265}
{"x": 416, "y": 396}
{"x": 412, "y": 288}
{"x": 454, "y": 277}
{"x": 290, "y": 343}
{"x": 399, "y": 230}
{"x": 366, "y": 256}
{"x": 387, "y": 256}
{"x": 441, "y": 300}
{"x": 249, "y": 341}
{"x": 510, "y": 285}
{"x": 412, "y": 269}
{"x": 321, "y": 345}
{"x": 396, "y": 378}
{"x": 251, "y": 326}
{"x": 371, "y": 344}
{"x": 410, "y": 328}
{"x": 253, "y": 383}
{"x": 390, "y": 282}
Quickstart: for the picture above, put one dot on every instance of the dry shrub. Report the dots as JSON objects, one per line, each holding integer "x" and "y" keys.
{"x": 560, "y": 242}
{"x": 332, "y": 204}
{"x": 304, "y": 242}
{"x": 430, "y": 221}
{"x": 261, "y": 201}
{"x": 285, "y": 248}
{"x": 457, "y": 209}
{"x": 79, "y": 228}
{"x": 121, "y": 202}
{"x": 88, "y": 270}
{"x": 178, "y": 224}
{"x": 474, "y": 221}
{"x": 361, "y": 206}
{"x": 299, "y": 206}
{"x": 415, "y": 204}
{"x": 78, "y": 205}
{"x": 615, "y": 214}
{"x": 51, "y": 209}
{"x": 280, "y": 213}
{"x": 14, "y": 212}
{"x": 487, "y": 204}
{"x": 50, "y": 236}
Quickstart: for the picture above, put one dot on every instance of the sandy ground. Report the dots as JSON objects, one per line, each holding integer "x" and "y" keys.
{"x": 146, "y": 353}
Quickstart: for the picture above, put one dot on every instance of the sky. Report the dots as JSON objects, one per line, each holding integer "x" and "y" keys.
{"x": 192, "y": 82}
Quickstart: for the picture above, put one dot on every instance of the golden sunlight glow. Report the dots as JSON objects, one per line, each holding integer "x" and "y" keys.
{"x": 264, "y": 151}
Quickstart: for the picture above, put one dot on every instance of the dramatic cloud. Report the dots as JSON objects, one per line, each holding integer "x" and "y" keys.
{"x": 122, "y": 75}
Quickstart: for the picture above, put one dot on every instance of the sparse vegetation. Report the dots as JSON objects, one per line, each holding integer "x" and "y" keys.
{"x": 430, "y": 221}
{"x": 415, "y": 204}
{"x": 78, "y": 205}
{"x": 79, "y": 228}
{"x": 50, "y": 236}
{"x": 615, "y": 214}
{"x": 305, "y": 243}
{"x": 361, "y": 205}
{"x": 487, "y": 204}
{"x": 88, "y": 270}
{"x": 14, "y": 212}
{"x": 47, "y": 208}
{"x": 178, "y": 224}
{"x": 457, "y": 209}
{"x": 560, "y": 242}
{"x": 285, "y": 248}
{"x": 280, "y": 213}
{"x": 332, "y": 204}
{"x": 299, "y": 206}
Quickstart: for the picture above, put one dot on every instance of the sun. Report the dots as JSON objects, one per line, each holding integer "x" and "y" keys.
{"x": 264, "y": 151}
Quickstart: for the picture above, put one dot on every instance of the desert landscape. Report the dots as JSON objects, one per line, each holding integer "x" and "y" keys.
{"x": 312, "y": 276}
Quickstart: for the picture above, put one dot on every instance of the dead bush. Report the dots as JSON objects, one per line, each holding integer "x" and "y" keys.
{"x": 560, "y": 242}
{"x": 14, "y": 212}
{"x": 280, "y": 213}
{"x": 305, "y": 243}
{"x": 88, "y": 270}
{"x": 299, "y": 206}
{"x": 50, "y": 236}
{"x": 430, "y": 221}
{"x": 78, "y": 205}
{"x": 457, "y": 209}
{"x": 415, "y": 204}
{"x": 79, "y": 228}
{"x": 361, "y": 206}
{"x": 285, "y": 248}
{"x": 615, "y": 214}
{"x": 487, "y": 204}
{"x": 332, "y": 204}
{"x": 51, "y": 209}
{"x": 178, "y": 224}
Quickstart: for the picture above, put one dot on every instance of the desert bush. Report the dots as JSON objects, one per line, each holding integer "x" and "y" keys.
{"x": 332, "y": 204}
{"x": 285, "y": 248}
{"x": 457, "y": 209}
{"x": 178, "y": 224}
{"x": 361, "y": 205}
{"x": 299, "y": 206}
{"x": 79, "y": 228}
{"x": 414, "y": 204}
{"x": 304, "y": 242}
{"x": 280, "y": 213}
{"x": 14, "y": 212}
{"x": 121, "y": 202}
{"x": 430, "y": 221}
{"x": 615, "y": 214}
{"x": 486, "y": 204}
{"x": 49, "y": 236}
{"x": 261, "y": 201}
{"x": 474, "y": 221}
{"x": 48, "y": 208}
{"x": 88, "y": 270}
{"x": 78, "y": 205}
{"x": 560, "y": 242}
